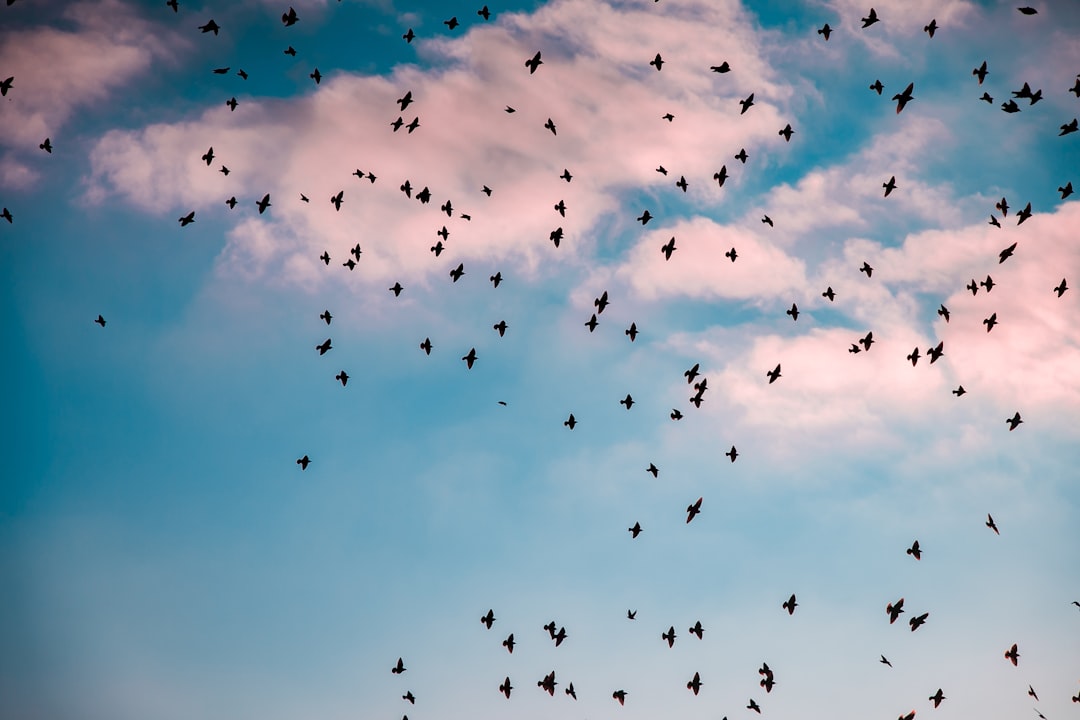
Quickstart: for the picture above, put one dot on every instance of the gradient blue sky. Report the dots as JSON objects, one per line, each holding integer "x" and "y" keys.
{"x": 162, "y": 554}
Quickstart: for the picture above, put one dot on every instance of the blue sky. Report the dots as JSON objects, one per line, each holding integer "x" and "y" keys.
{"x": 163, "y": 554}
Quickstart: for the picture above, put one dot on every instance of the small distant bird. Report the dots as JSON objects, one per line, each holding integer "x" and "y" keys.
{"x": 668, "y": 248}
{"x": 336, "y": 200}
{"x": 1010, "y": 107}
{"x": 1060, "y": 289}
{"x": 451, "y": 23}
{"x": 508, "y": 643}
{"x": 990, "y": 322}
{"x": 993, "y": 221}
{"x": 1066, "y": 191}
{"x": 870, "y": 19}
{"x": 829, "y": 294}
{"x": 325, "y": 257}
{"x": 766, "y": 220}
{"x": 484, "y": 12}
{"x": 100, "y": 321}
{"x": 669, "y": 117}
{"x": 931, "y": 28}
{"x": 988, "y": 283}
{"x": 1004, "y": 255}
{"x": 560, "y": 207}
{"x": 1031, "y": 692}
{"x": 505, "y": 687}
{"x": 396, "y": 289}
{"x": 632, "y": 332}
{"x": 303, "y": 463}
{"x": 987, "y": 98}
{"x": 620, "y": 695}
{"x": 786, "y": 133}
{"x": 645, "y": 217}
{"x": 669, "y": 636}
{"x": 698, "y": 630}
{"x": 885, "y": 661}
{"x": 1028, "y": 10}
{"x": 653, "y": 469}
{"x": 741, "y": 156}
{"x": 868, "y": 340}
{"x": 6, "y": 214}
{"x": 413, "y": 125}
{"x": 937, "y": 697}
{"x": 324, "y": 346}
{"x": 681, "y": 183}
{"x": 877, "y": 87}
{"x": 566, "y": 175}
{"x": 496, "y": 279}
{"x": 790, "y": 604}
{"x": 635, "y": 531}
{"x": 470, "y": 358}
{"x": 350, "y": 263}
{"x": 399, "y": 668}
{"x": 774, "y": 374}
{"x": 342, "y": 377}
{"x": 825, "y": 30}
{"x": 326, "y": 316}
{"x": 693, "y": 509}
{"x": 601, "y": 302}
{"x": 628, "y": 401}
{"x": 6, "y": 85}
{"x": 981, "y": 72}
{"x": 1023, "y": 214}
{"x": 914, "y": 357}
{"x": 397, "y": 124}
{"x": 754, "y": 706}
{"x": 210, "y": 26}
{"x": 224, "y": 170}
{"x": 747, "y": 103}
{"x": 289, "y": 19}
{"x": 488, "y": 618}
{"x": 316, "y": 76}
{"x": 894, "y": 610}
{"x": 208, "y": 156}
{"x": 1069, "y": 127}
{"x": 1014, "y": 421}
{"x": 721, "y": 177}
{"x": 570, "y": 422}
{"x": 457, "y": 272}
{"x": 793, "y": 311}
{"x": 1012, "y": 654}
{"x": 731, "y": 254}
{"x": 184, "y": 221}
{"x": 917, "y": 621}
{"x": 570, "y": 691}
{"x": 732, "y": 453}
{"x": 676, "y": 415}
{"x": 500, "y": 327}
{"x": 990, "y": 521}
{"x": 426, "y": 346}
{"x": 46, "y": 146}
{"x": 692, "y": 373}
{"x": 550, "y": 125}
{"x": 695, "y": 684}
{"x": 592, "y": 323}
{"x": 721, "y": 68}
{"x": 943, "y": 312}
{"x": 973, "y": 287}
{"x": 889, "y": 186}
{"x": 408, "y": 37}
{"x": 290, "y": 51}
{"x": 657, "y": 62}
{"x": 534, "y": 62}
{"x": 174, "y": 4}
{"x": 232, "y": 103}
{"x": 936, "y": 352}
{"x": 902, "y": 99}
{"x": 631, "y": 614}
{"x": 867, "y": 269}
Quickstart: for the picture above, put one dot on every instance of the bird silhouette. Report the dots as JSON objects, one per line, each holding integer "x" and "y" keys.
{"x": 570, "y": 422}
{"x": 46, "y": 146}
{"x": 981, "y": 72}
{"x": 943, "y": 312}
{"x": 501, "y": 327}
{"x": 870, "y": 19}
{"x": 931, "y": 28}
{"x": 1012, "y": 655}
{"x": 408, "y": 36}
{"x": 731, "y": 254}
{"x": 645, "y": 217}
{"x": 1061, "y": 288}
{"x": 1023, "y": 214}
{"x": 570, "y": 691}
{"x": 669, "y": 636}
{"x": 1066, "y": 191}
{"x": 676, "y": 415}
{"x": 426, "y": 346}
{"x": 505, "y": 687}
{"x": 470, "y": 358}
{"x": 457, "y": 272}
{"x": 732, "y": 453}
{"x": 342, "y": 377}
{"x": 534, "y": 62}
{"x": 774, "y": 374}
{"x": 635, "y": 531}
{"x": 990, "y": 520}
{"x": 451, "y": 23}
{"x": 488, "y": 618}
{"x": 1002, "y": 257}
{"x": 877, "y": 87}
{"x": 682, "y": 184}
{"x": 620, "y": 695}
{"x": 721, "y": 176}
{"x": 100, "y": 321}
{"x": 668, "y": 248}
{"x": 902, "y": 99}
{"x": 592, "y": 323}
{"x": 627, "y": 401}
{"x": 889, "y": 186}
{"x": 741, "y": 156}
{"x": 786, "y": 133}
{"x": 631, "y": 614}
{"x": 336, "y": 200}
{"x": 793, "y": 311}
{"x": 917, "y": 621}
{"x": 655, "y": 471}
{"x": 316, "y": 76}
{"x": 790, "y": 604}
{"x": 825, "y": 31}
{"x": 632, "y": 332}
{"x": 885, "y": 661}
{"x": 867, "y": 340}
{"x": 723, "y": 67}
{"x": 693, "y": 509}
{"x": 1014, "y": 421}
{"x": 601, "y": 302}
{"x": 752, "y": 705}
{"x": 894, "y": 610}
{"x": 829, "y": 294}
{"x": 548, "y": 683}
{"x": 508, "y": 643}
{"x": 484, "y": 12}
{"x": 289, "y": 19}
{"x": 210, "y": 26}
{"x": 990, "y": 322}
{"x": 913, "y": 356}
{"x": 409, "y": 696}
{"x": 936, "y": 352}
{"x": 657, "y": 62}
{"x": 695, "y": 683}
{"x": 698, "y": 630}
{"x": 867, "y": 269}
{"x": 988, "y": 283}
{"x": 323, "y": 347}
{"x": 184, "y": 221}
{"x": 496, "y": 279}
{"x": 746, "y": 104}
{"x": 303, "y": 463}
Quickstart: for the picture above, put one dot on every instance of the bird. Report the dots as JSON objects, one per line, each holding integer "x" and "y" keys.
{"x": 46, "y": 146}
{"x": 698, "y": 630}
{"x": 592, "y": 323}
{"x": 335, "y": 200}
{"x": 774, "y": 374}
{"x": 457, "y": 272}
{"x": 917, "y": 621}
{"x": 721, "y": 177}
{"x": 829, "y": 294}
{"x": 303, "y": 463}
{"x": 914, "y": 357}
{"x": 668, "y": 248}
{"x": 870, "y": 19}
{"x": 885, "y": 661}
{"x": 936, "y": 352}
{"x": 408, "y": 37}
{"x": 723, "y": 67}
{"x": 316, "y": 76}
{"x": 742, "y": 156}
{"x": 988, "y": 283}
{"x": 732, "y": 453}
{"x": 1004, "y": 255}
{"x": 570, "y": 691}
{"x": 631, "y": 614}
{"x": 415, "y": 124}
{"x": 973, "y": 287}
{"x": 350, "y": 263}
{"x": 645, "y": 217}
{"x": 627, "y": 401}
{"x": 676, "y": 415}
{"x": 405, "y": 100}
{"x": 426, "y": 346}
{"x": 793, "y": 311}
{"x": 867, "y": 340}
{"x": 409, "y": 696}
{"x": 790, "y": 604}
{"x": 1014, "y": 421}
{"x": 766, "y": 220}
{"x": 1060, "y": 289}
{"x": 1023, "y": 214}
{"x": 397, "y": 125}
{"x": 508, "y": 643}
{"x": 208, "y": 156}
{"x": 655, "y": 471}
{"x": 669, "y": 636}
{"x": 867, "y": 269}
{"x": 1010, "y": 107}
{"x": 6, "y": 85}
{"x": 825, "y": 30}
{"x": 990, "y": 322}
{"x": 324, "y": 346}
{"x": 693, "y": 509}
{"x": 548, "y": 683}
{"x": 470, "y": 358}
{"x": 290, "y": 51}
{"x": 937, "y": 697}
{"x": 931, "y": 28}
{"x": 326, "y": 316}
{"x": 1028, "y": 10}
{"x": 909, "y": 716}
{"x": 570, "y": 422}
{"x": 566, "y": 175}
{"x": 1032, "y": 693}
{"x": 990, "y": 522}
{"x": 786, "y": 133}
{"x": 451, "y": 23}
{"x": 731, "y": 254}
{"x": 184, "y": 221}
{"x": 560, "y": 207}
{"x": 749, "y": 101}
{"x": 877, "y": 87}
{"x": 396, "y": 289}
{"x": 754, "y": 706}
{"x": 289, "y": 19}
{"x": 601, "y": 303}
{"x": 993, "y": 221}
{"x": 635, "y": 531}
{"x": 488, "y": 619}
{"x": 224, "y": 170}
{"x": 620, "y": 695}
{"x": 210, "y": 26}
{"x": 632, "y": 332}
{"x": 501, "y": 327}
{"x": 1066, "y": 191}
{"x": 943, "y": 312}
{"x": 550, "y": 125}
{"x": 505, "y": 687}
{"x": 889, "y": 186}
{"x": 981, "y": 72}
{"x": 484, "y": 12}
{"x": 534, "y": 62}
{"x": 100, "y": 321}
{"x": 695, "y": 683}
{"x": 669, "y": 117}
{"x": 894, "y": 610}
{"x": 1012, "y": 655}
{"x": 681, "y": 183}
{"x": 657, "y": 62}
{"x": 342, "y": 377}
{"x": 496, "y": 279}
{"x": 325, "y": 257}
{"x": 6, "y": 214}
{"x": 902, "y": 99}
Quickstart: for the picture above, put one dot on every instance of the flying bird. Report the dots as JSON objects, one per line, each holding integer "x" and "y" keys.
{"x": 1014, "y": 421}
{"x": 451, "y": 23}
{"x": 592, "y": 323}
{"x": 324, "y": 346}
{"x": 749, "y": 101}
{"x": 408, "y": 37}
{"x": 488, "y": 619}
{"x": 534, "y": 62}
{"x": 870, "y": 19}
{"x": 889, "y": 186}
{"x": 501, "y": 327}
{"x": 741, "y": 156}
{"x": 342, "y": 377}
{"x": 786, "y": 133}
{"x": 825, "y": 30}
{"x": 698, "y": 630}
{"x": 496, "y": 279}
{"x": 902, "y": 99}
{"x": 470, "y": 358}
{"x": 409, "y": 696}
{"x": 620, "y": 695}
{"x": 829, "y": 294}
{"x": 1012, "y": 655}
{"x": 1023, "y": 214}
{"x": 657, "y": 62}
{"x": 668, "y": 248}
{"x": 6, "y": 85}
{"x": 627, "y": 401}
{"x": 508, "y": 643}
{"x": 1066, "y": 191}
{"x": 731, "y": 254}
{"x": 943, "y": 312}
{"x": 793, "y": 311}
{"x": 877, "y": 87}
{"x": 570, "y": 691}
{"x": 868, "y": 340}
{"x": 1028, "y": 10}
{"x": 484, "y": 12}
{"x": 1003, "y": 256}
{"x": 601, "y": 302}
{"x": 669, "y": 636}
{"x": 723, "y": 67}
{"x": 790, "y": 604}
{"x": 570, "y": 422}
{"x": 931, "y": 28}
{"x": 457, "y": 272}
{"x": 692, "y": 510}
{"x": 326, "y": 316}
{"x": 766, "y": 220}
{"x": 426, "y": 346}
{"x": 981, "y": 72}
{"x": 46, "y": 146}
{"x": 336, "y": 200}
{"x": 914, "y": 357}
{"x": 990, "y": 520}
{"x": 1060, "y": 289}
{"x": 1069, "y": 127}
{"x": 316, "y": 76}
{"x": 303, "y": 463}
{"x": 100, "y": 321}
{"x": 774, "y": 374}
{"x": 289, "y": 19}
{"x": 632, "y": 332}
{"x": 867, "y": 269}
{"x": 721, "y": 177}
{"x": 210, "y": 26}
{"x": 990, "y": 322}
{"x": 732, "y": 453}
{"x": 635, "y": 531}
{"x": 505, "y": 687}
{"x": 918, "y": 621}
{"x": 184, "y": 221}
{"x": 894, "y": 610}
{"x": 885, "y": 661}
{"x": 695, "y": 683}
{"x": 936, "y": 352}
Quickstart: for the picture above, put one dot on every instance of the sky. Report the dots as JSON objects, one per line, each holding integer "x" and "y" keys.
{"x": 163, "y": 555}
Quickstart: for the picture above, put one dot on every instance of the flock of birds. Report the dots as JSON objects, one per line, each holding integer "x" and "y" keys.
{"x": 532, "y": 63}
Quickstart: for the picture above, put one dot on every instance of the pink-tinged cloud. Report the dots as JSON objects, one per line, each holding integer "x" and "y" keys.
{"x": 596, "y": 85}
{"x": 898, "y": 21}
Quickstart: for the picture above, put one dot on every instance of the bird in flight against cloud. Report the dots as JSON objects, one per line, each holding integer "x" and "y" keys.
{"x": 902, "y": 99}
{"x": 870, "y": 19}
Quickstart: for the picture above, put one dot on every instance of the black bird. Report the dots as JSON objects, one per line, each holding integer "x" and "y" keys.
{"x": 981, "y": 72}
{"x": 894, "y": 610}
{"x": 681, "y": 184}
{"x": 635, "y": 531}
{"x": 303, "y": 463}
{"x": 943, "y": 312}
{"x": 1075, "y": 90}
{"x": 324, "y": 346}
{"x": 645, "y": 217}
{"x": 731, "y": 254}
{"x": 566, "y": 175}
{"x": 210, "y": 26}
{"x": 653, "y": 469}
{"x": 232, "y": 103}
{"x": 550, "y": 125}
{"x": 534, "y": 62}
{"x": 774, "y": 374}
{"x": 496, "y": 279}
{"x": 973, "y": 287}
{"x": 698, "y": 630}
{"x": 657, "y": 62}
{"x": 548, "y": 683}
{"x": 1010, "y": 107}
{"x": 1069, "y": 127}
{"x": 399, "y": 668}
{"x": 620, "y": 695}
{"x": 457, "y": 272}
{"x": 904, "y": 98}
{"x": 829, "y": 294}
{"x": 667, "y": 116}
{"x": 413, "y": 125}
{"x": 936, "y": 351}
{"x": 825, "y": 30}
{"x": 867, "y": 269}
{"x": 931, "y": 28}
{"x": 915, "y": 551}
{"x": 409, "y": 696}
{"x": 721, "y": 68}
{"x": 570, "y": 691}
{"x": 988, "y": 283}
{"x": 208, "y": 156}
{"x": 397, "y": 124}
{"x": 408, "y": 37}
{"x": 343, "y": 377}
{"x": 870, "y": 19}
{"x": 1014, "y": 421}
{"x": 742, "y": 156}
{"x": 486, "y": 190}
{"x": 316, "y": 76}
{"x": 746, "y": 103}
{"x": 669, "y": 636}
{"x": 488, "y": 618}
{"x": 720, "y": 177}
{"x": 1028, "y": 10}
{"x": 46, "y": 146}
{"x": 508, "y": 643}
{"x": 889, "y": 186}
{"x": 668, "y": 248}
{"x": 631, "y": 614}
{"x": 174, "y": 4}
{"x": 914, "y": 357}
{"x": 484, "y": 12}
{"x": 290, "y": 51}
{"x": 695, "y": 684}
{"x": 500, "y": 327}
{"x": 1023, "y": 214}
{"x": 937, "y": 697}
{"x": 1031, "y": 692}
{"x": 917, "y": 621}
{"x": 224, "y": 170}
{"x": 754, "y": 706}
{"x": 632, "y": 332}
{"x": 994, "y": 221}
{"x": 100, "y": 321}
{"x": 885, "y": 661}
{"x": 289, "y": 18}
{"x": 732, "y": 453}
{"x": 405, "y": 100}
{"x": 592, "y": 323}
{"x": 676, "y": 415}
{"x": 396, "y": 289}
{"x": 989, "y": 519}
{"x": 184, "y": 221}
{"x": 426, "y": 346}
{"x": 692, "y": 510}
{"x": 767, "y": 221}
{"x": 990, "y": 322}
{"x": 790, "y": 604}
{"x": 628, "y": 401}
{"x": 987, "y": 98}
{"x": 1060, "y": 289}
{"x": 559, "y": 636}
{"x": 787, "y": 132}
{"x": 600, "y": 303}
{"x": 356, "y": 252}
{"x": 336, "y": 200}
{"x": 793, "y": 311}
{"x": 325, "y": 257}
{"x": 451, "y": 23}
{"x": 867, "y": 341}
{"x": 1012, "y": 655}
{"x": 1066, "y": 191}
{"x": 959, "y": 391}
{"x": 231, "y": 202}
{"x": 877, "y": 87}
{"x": 1007, "y": 252}
{"x": 470, "y": 358}
{"x": 570, "y": 422}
